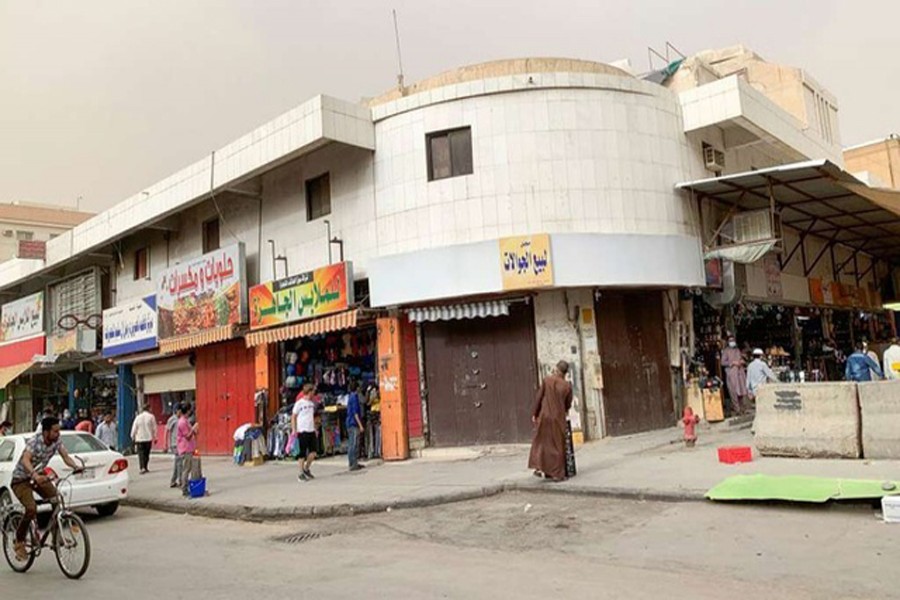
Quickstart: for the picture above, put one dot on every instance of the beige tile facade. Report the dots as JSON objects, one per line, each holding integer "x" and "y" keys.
{"x": 877, "y": 161}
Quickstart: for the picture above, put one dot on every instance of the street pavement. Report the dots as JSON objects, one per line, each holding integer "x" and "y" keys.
{"x": 516, "y": 545}
{"x": 650, "y": 466}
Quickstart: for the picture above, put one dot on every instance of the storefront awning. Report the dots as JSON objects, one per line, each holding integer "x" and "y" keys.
{"x": 815, "y": 197}
{"x": 335, "y": 322}
{"x": 194, "y": 340}
{"x": 473, "y": 310}
{"x": 9, "y": 374}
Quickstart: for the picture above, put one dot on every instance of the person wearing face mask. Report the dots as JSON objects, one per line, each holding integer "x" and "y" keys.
{"x": 735, "y": 375}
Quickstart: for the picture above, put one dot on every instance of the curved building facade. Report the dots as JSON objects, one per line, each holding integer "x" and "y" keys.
{"x": 481, "y": 170}
{"x": 580, "y": 151}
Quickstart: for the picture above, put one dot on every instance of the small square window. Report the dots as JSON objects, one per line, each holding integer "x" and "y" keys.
{"x": 449, "y": 153}
{"x": 141, "y": 264}
{"x": 210, "y": 235}
{"x": 318, "y": 197}
{"x": 24, "y": 236}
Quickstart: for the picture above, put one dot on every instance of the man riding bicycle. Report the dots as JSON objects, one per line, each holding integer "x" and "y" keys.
{"x": 29, "y": 476}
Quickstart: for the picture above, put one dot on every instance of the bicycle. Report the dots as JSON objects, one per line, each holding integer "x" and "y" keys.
{"x": 66, "y": 535}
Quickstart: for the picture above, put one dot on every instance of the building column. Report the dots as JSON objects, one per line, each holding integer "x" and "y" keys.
{"x": 265, "y": 364}
{"x": 126, "y": 405}
{"x": 392, "y": 388}
{"x": 565, "y": 329}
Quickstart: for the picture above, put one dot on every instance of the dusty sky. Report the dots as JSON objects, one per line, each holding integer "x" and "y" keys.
{"x": 100, "y": 98}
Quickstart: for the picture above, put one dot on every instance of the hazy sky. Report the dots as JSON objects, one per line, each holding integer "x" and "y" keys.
{"x": 100, "y": 98}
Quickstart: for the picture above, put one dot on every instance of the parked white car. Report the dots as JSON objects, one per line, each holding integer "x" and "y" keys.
{"x": 103, "y": 484}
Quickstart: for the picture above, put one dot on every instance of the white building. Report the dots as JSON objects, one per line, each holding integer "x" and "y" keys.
{"x": 426, "y": 187}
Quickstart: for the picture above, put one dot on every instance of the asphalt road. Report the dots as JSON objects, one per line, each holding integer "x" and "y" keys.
{"x": 510, "y": 546}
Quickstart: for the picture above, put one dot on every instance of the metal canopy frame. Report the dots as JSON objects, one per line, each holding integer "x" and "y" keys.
{"x": 815, "y": 198}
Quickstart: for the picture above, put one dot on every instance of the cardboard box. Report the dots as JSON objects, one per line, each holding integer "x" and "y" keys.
{"x": 890, "y": 509}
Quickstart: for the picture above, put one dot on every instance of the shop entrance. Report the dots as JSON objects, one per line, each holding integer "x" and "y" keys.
{"x": 637, "y": 392}
{"x": 482, "y": 378}
{"x": 225, "y": 389}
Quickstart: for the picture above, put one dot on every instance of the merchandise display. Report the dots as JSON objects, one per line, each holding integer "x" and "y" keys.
{"x": 329, "y": 362}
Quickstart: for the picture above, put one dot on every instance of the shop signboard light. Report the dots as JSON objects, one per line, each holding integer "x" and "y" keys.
{"x": 308, "y": 295}
{"x": 525, "y": 262}
{"x": 130, "y": 327}
{"x": 202, "y": 294}
{"x": 23, "y": 318}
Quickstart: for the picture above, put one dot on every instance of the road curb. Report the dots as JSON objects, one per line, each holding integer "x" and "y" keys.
{"x": 201, "y": 508}
{"x": 608, "y": 492}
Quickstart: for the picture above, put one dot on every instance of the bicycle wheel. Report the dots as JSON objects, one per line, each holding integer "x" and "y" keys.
{"x": 72, "y": 546}
{"x": 10, "y": 524}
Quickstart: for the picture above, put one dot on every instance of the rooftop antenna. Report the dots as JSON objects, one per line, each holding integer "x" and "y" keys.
{"x": 668, "y": 58}
{"x": 399, "y": 54}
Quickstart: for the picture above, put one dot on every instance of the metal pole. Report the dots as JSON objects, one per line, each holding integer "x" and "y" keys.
{"x": 272, "y": 246}
{"x": 328, "y": 238}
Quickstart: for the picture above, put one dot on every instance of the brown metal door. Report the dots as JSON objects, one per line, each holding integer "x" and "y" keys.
{"x": 481, "y": 376}
{"x": 637, "y": 390}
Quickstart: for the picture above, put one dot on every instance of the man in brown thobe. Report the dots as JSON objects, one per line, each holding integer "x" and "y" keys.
{"x": 735, "y": 375}
{"x": 548, "y": 450}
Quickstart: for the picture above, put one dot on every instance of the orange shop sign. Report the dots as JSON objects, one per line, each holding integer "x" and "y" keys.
{"x": 305, "y": 296}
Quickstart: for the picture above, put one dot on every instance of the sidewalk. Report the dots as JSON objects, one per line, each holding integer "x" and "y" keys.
{"x": 654, "y": 465}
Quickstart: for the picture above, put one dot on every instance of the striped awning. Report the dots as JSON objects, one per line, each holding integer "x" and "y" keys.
{"x": 9, "y": 374}
{"x": 335, "y": 322}
{"x": 472, "y": 310}
{"x": 195, "y": 340}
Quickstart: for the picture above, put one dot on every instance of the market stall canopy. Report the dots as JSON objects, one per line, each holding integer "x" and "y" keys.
{"x": 816, "y": 197}
{"x": 195, "y": 340}
{"x": 9, "y": 374}
{"x": 336, "y": 322}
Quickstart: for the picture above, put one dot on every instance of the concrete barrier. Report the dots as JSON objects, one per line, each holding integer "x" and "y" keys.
{"x": 808, "y": 420}
{"x": 879, "y": 403}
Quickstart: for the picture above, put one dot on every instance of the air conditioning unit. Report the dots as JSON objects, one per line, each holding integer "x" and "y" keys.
{"x": 714, "y": 159}
{"x": 8, "y": 233}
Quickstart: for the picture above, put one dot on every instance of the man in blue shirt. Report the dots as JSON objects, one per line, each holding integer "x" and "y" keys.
{"x": 859, "y": 365}
{"x": 354, "y": 427}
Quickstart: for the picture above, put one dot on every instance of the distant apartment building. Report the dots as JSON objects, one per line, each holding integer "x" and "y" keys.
{"x": 26, "y": 222}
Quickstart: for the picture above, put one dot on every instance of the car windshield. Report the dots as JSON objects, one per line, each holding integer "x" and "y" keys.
{"x": 7, "y": 449}
{"x": 82, "y": 443}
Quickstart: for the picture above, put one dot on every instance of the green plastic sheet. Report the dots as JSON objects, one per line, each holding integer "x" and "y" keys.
{"x": 796, "y": 488}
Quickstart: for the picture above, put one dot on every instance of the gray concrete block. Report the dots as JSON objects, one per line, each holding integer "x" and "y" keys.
{"x": 808, "y": 420}
{"x": 880, "y": 407}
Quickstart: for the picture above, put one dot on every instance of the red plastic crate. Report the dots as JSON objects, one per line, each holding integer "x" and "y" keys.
{"x": 735, "y": 454}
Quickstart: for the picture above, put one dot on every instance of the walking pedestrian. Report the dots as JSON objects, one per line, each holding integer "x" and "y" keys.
{"x": 735, "y": 375}
{"x": 860, "y": 366}
{"x": 172, "y": 446}
{"x": 84, "y": 423}
{"x": 759, "y": 372}
{"x": 143, "y": 432}
{"x": 303, "y": 424}
{"x": 108, "y": 431}
{"x": 47, "y": 414}
{"x": 186, "y": 444}
{"x": 355, "y": 427}
{"x": 171, "y": 430}
{"x": 892, "y": 360}
{"x": 6, "y": 428}
{"x": 553, "y": 401}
